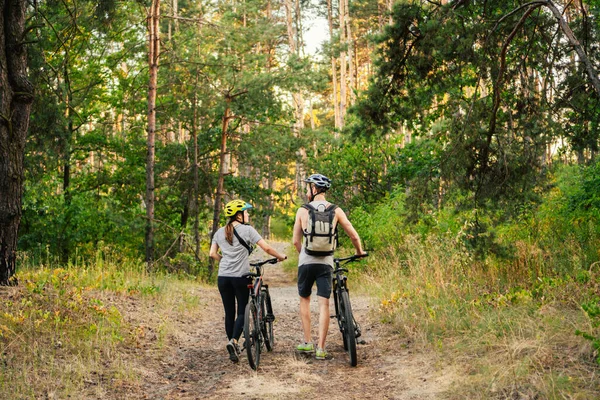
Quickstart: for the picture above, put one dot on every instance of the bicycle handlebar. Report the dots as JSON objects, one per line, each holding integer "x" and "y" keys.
{"x": 351, "y": 258}
{"x": 261, "y": 263}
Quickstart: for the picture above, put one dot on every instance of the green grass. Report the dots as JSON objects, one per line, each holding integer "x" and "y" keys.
{"x": 510, "y": 328}
{"x": 62, "y": 330}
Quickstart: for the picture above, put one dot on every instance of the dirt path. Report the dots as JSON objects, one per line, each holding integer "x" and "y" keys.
{"x": 197, "y": 367}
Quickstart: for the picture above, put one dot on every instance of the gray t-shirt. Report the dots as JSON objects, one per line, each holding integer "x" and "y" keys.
{"x": 235, "y": 257}
{"x": 304, "y": 258}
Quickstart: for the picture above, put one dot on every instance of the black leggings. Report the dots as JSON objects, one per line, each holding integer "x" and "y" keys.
{"x": 232, "y": 288}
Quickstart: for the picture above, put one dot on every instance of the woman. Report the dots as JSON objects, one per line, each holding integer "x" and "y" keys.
{"x": 236, "y": 241}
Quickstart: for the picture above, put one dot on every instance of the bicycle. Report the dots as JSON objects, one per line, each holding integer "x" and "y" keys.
{"x": 259, "y": 317}
{"x": 349, "y": 328}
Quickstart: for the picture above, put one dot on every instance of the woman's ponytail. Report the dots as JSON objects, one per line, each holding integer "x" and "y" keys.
{"x": 229, "y": 231}
{"x": 229, "y": 227}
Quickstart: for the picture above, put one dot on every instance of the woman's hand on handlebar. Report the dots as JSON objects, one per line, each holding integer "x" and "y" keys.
{"x": 361, "y": 255}
{"x": 282, "y": 257}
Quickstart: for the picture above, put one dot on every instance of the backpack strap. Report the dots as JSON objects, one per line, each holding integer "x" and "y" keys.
{"x": 311, "y": 209}
{"x": 242, "y": 241}
{"x": 331, "y": 211}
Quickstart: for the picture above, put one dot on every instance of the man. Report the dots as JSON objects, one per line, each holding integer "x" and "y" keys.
{"x": 318, "y": 265}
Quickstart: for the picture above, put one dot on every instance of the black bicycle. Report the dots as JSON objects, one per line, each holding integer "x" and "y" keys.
{"x": 259, "y": 317}
{"x": 343, "y": 309}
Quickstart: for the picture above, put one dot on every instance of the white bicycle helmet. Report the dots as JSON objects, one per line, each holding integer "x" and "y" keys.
{"x": 320, "y": 181}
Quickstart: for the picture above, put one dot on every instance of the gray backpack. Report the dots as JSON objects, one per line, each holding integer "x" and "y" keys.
{"x": 320, "y": 236}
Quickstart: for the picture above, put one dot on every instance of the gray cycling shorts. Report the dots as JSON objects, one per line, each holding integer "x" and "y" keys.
{"x": 308, "y": 274}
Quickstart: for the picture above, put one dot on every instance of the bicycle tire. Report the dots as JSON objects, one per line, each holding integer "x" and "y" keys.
{"x": 267, "y": 322}
{"x": 349, "y": 332}
{"x": 252, "y": 335}
{"x": 339, "y": 314}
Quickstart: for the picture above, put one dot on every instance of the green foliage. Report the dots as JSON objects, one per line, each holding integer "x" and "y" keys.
{"x": 86, "y": 152}
{"x": 592, "y": 309}
{"x": 380, "y": 225}
{"x": 360, "y": 164}
{"x": 438, "y": 70}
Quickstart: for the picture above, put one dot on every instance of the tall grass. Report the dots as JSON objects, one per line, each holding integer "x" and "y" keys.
{"x": 62, "y": 330}
{"x": 510, "y": 340}
{"x": 510, "y": 319}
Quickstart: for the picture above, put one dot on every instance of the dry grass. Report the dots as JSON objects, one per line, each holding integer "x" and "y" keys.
{"x": 508, "y": 341}
{"x": 65, "y": 332}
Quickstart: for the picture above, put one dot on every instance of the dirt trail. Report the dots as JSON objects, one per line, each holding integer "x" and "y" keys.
{"x": 198, "y": 366}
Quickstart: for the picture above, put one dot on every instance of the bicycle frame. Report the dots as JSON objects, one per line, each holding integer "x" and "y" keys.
{"x": 258, "y": 324}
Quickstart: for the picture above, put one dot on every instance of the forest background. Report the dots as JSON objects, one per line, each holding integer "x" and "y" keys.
{"x": 461, "y": 138}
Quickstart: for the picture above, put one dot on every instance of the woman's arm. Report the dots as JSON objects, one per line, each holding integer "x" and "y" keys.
{"x": 271, "y": 251}
{"x": 214, "y": 252}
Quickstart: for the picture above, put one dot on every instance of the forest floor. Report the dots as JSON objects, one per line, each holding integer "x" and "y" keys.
{"x": 193, "y": 362}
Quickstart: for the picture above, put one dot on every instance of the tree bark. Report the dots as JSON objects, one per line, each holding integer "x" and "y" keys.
{"x": 343, "y": 62}
{"x": 219, "y": 194}
{"x": 592, "y": 74}
{"x": 336, "y": 105}
{"x": 16, "y": 97}
{"x": 350, "y": 43}
{"x": 153, "y": 55}
{"x": 564, "y": 26}
{"x": 64, "y": 241}
{"x": 292, "y": 11}
{"x": 195, "y": 204}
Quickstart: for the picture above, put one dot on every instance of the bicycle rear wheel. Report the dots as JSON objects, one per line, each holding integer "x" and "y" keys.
{"x": 267, "y": 322}
{"x": 252, "y": 335}
{"x": 349, "y": 332}
{"x": 339, "y": 314}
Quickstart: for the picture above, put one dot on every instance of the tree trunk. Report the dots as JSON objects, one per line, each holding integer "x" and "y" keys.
{"x": 68, "y": 135}
{"x": 195, "y": 205}
{"x": 153, "y": 54}
{"x": 564, "y": 26}
{"x": 592, "y": 74}
{"x": 222, "y": 172}
{"x": 350, "y": 43}
{"x": 268, "y": 212}
{"x": 292, "y": 11}
{"x": 336, "y": 106}
{"x": 16, "y": 96}
{"x": 343, "y": 62}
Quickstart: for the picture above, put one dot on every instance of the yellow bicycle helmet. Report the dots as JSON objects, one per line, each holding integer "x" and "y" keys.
{"x": 235, "y": 206}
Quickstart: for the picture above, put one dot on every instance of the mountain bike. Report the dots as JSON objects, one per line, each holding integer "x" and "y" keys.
{"x": 343, "y": 309}
{"x": 259, "y": 317}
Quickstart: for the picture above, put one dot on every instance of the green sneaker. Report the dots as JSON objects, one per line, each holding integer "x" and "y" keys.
{"x": 305, "y": 347}
{"x": 321, "y": 354}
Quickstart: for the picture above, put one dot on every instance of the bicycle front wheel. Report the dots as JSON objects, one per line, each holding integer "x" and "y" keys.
{"x": 252, "y": 335}
{"x": 349, "y": 332}
{"x": 267, "y": 322}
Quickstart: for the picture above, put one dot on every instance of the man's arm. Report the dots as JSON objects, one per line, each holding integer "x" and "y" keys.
{"x": 297, "y": 233}
{"x": 345, "y": 223}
